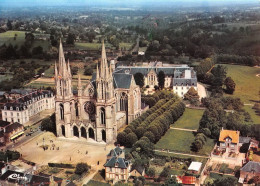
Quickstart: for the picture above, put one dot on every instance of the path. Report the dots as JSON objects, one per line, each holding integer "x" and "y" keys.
{"x": 178, "y": 153}
{"x": 190, "y": 130}
{"x": 86, "y": 179}
{"x": 201, "y": 91}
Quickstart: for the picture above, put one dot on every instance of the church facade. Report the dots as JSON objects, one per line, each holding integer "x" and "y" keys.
{"x": 106, "y": 103}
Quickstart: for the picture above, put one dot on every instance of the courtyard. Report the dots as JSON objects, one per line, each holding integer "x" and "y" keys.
{"x": 62, "y": 150}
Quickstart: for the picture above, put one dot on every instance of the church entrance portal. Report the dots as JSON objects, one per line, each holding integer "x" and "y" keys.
{"x": 75, "y": 131}
{"x": 91, "y": 133}
{"x": 104, "y": 135}
{"x": 83, "y": 132}
{"x": 63, "y": 130}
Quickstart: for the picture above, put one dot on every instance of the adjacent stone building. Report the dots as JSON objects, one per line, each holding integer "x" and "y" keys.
{"x": 179, "y": 77}
{"x": 10, "y": 131}
{"x": 21, "y": 109}
{"x": 100, "y": 107}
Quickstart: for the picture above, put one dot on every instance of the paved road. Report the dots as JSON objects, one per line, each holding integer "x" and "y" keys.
{"x": 88, "y": 177}
{"x": 25, "y": 139}
{"x": 193, "y": 155}
{"x": 190, "y": 130}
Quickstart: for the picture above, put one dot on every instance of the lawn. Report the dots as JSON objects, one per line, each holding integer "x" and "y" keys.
{"x": 190, "y": 119}
{"x": 247, "y": 84}
{"x": 95, "y": 183}
{"x": 8, "y": 37}
{"x": 127, "y": 46}
{"x": 181, "y": 141}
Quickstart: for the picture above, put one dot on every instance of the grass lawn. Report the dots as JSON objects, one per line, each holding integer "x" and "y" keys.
{"x": 126, "y": 45}
{"x": 255, "y": 118}
{"x": 8, "y": 38}
{"x": 95, "y": 183}
{"x": 181, "y": 141}
{"x": 247, "y": 84}
{"x": 190, "y": 119}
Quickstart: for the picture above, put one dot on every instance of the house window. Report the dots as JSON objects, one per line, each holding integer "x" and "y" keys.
{"x": 17, "y": 114}
{"x": 110, "y": 169}
{"x": 223, "y": 144}
{"x": 5, "y": 113}
{"x": 232, "y": 145}
{"x": 122, "y": 177}
{"x": 18, "y": 120}
{"x": 122, "y": 170}
{"x": 11, "y": 114}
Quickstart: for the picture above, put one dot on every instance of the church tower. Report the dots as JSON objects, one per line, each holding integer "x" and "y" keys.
{"x": 64, "y": 101}
{"x": 105, "y": 103}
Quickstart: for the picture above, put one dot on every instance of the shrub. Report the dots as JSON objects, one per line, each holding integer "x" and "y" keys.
{"x": 81, "y": 168}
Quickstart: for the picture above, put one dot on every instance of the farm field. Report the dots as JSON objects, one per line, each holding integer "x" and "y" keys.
{"x": 189, "y": 120}
{"x": 181, "y": 141}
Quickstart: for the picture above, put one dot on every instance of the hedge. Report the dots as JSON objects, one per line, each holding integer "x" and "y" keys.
{"x": 61, "y": 165}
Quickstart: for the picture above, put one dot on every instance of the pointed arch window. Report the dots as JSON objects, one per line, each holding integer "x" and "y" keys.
{"x": 103, "y": 116}
{"x": 76, "y": 109}
{"x": 61, "y": 112}
{"x": 123, "y": 102}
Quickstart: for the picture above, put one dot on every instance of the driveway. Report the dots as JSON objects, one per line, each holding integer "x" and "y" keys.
{"x": 201, "y": 91}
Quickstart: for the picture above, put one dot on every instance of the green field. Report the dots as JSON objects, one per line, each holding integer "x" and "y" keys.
{"x": 247, "y": 84}
{"x": 190, "y": 119}
{"x": 8, "y": 38}
{"x": 127, "y": 46}
{"x": 97, "y": 46}
{"x": 181, "y": 141}
{"x": 95, "y": 183}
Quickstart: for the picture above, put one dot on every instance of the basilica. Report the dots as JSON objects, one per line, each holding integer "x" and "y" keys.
{"x": 100, "y": 107}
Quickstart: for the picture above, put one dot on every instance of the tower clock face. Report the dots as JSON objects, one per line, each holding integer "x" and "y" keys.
{"x": 89, "y": 107}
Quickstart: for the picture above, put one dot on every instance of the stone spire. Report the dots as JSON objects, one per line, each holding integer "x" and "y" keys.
{"x": 97, "y": 76}
{"x": 69, "y": 71}
{"x": 103, "y": 66}
{"x": 56, "y": 70}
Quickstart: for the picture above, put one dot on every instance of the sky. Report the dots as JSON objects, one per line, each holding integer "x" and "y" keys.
{"x": 119, "y": 2}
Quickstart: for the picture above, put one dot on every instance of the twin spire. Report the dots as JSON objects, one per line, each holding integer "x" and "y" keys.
{"x": 63, "y": 71}
{"x": 104, "y": 72}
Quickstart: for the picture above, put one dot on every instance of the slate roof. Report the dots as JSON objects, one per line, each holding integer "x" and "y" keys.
{"x": 12, "y": 127}
{"x": 120, "y": 80}
{"x": 251, "y": 166}
{"x": 4, "y": 123}
{"x": 121, "y": 162}
{"x": 244, "y": 139}
{"x": 169, "y": 71}
{"x": 21, "y": 102}
{"x": 184, "y": 82}
{"x": 138, "y": 168}
{"x": 234, "y": 135}
{"x": 115, "y": 152}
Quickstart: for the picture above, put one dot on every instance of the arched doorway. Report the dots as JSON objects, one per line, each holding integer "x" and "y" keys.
{"x": 104, "y": 135}
{"x": 91, "y": 133}
{"x": 63, "y": 130}
{"x": 83, "y": 132}
{"x": 75, "y": 131}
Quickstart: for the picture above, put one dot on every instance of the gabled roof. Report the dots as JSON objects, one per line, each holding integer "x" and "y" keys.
{"x": 244, "y": 139}
{"x": 122, "y": 80}
{"x": 187, "y": 180}
{"x": 138, "y": 168}
{"x": 195, "y": 166}
{"x": 234, "y": 135}
{"x": 12, "y": 127}
{"x": 115, "y": 152}
{"x": 121, "y": 163}
{"x": 251, "y": 166}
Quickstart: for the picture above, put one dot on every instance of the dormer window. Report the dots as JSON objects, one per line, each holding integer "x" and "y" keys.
{"x": 5, "y": 108}
{"x": 17, "y": 109}
{"x": 11, "y": 108}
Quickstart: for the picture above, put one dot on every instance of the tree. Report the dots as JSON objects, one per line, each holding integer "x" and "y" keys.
{"x": 88, "y": 71}
{"x": 150, "y": 172}
{"x": 37, "y": 50}
{"x": 227, "y": 180}
{"x": 48, "y": 124}
{"x": 172, "y": 181}
{"x": 131, "y": 138}
{"x": 139, "y": 79}
{"x": 192, "y": 96}
{"x": 165, "y": 172}
{"x": 9, "y": 25}
{"x": 70, "y": 39}
{"x": 82, "y": 168}
{"x": 161, "y": 79}
{"x": 230, "y": 85}
{"x": 121, "y": 138}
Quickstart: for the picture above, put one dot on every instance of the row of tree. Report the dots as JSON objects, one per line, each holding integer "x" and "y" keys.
{"x": 154, "y": 123}
{"x": 240, "y": 60}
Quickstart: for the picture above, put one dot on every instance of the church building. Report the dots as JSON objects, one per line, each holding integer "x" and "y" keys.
{"x": 100, "y": 107}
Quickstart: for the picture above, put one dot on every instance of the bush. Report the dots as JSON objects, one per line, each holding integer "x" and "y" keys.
{"x": 60, "y": 165}
{"x": 81, "y": 168}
